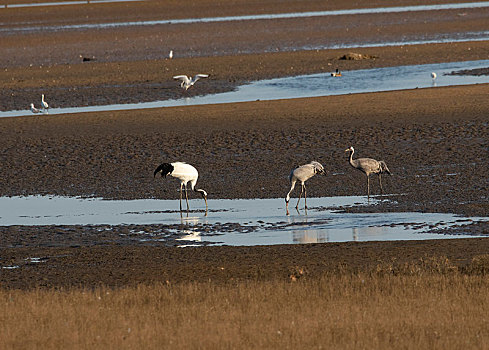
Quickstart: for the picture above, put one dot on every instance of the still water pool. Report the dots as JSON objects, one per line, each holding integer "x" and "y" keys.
{"x": 234, "y": 222}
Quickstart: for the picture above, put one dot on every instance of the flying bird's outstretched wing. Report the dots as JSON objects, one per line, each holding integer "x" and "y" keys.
{"x": 182, "y": 77}
{"x": 198, "y": 76}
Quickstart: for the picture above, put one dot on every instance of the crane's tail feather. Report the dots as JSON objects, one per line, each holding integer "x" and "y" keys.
{"x": 384, "y": 168}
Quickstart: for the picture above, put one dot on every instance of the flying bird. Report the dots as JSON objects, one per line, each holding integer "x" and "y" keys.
{"x": 369, "y": 166}
{"x": 188, "y": 82}
{"x": 34, "y": 109}
{"x": 302, "y": 174}
{"x": 185, "y": 173}
{"x": 44, "y": 104}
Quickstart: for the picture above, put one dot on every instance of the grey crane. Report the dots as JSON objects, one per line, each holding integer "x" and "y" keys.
{"x": 302, "y": 174}
{"x": 369, "y": 166}
{"x": 185, "y": 173}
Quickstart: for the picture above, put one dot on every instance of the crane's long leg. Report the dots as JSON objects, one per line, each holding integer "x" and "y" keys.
{"x": 181, "y": 189}
{"x": 305, "y": 197}
{"x": 368, "y": 187}
{"x": 186, "y": 196}
{"x": 300, "y": 196}
{"x": 380, "y": 182}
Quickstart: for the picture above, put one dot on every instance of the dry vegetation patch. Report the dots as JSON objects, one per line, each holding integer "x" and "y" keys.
{"x": 428, "y": 304}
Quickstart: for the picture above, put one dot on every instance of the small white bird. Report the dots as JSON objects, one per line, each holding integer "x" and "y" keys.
{"x": 188, "y": 82}
{"x": 433, "y": 75}
{"x": 185, "y": 173}
{"x": 44, "y": 104}
{"x": 170, "y": 55}
{"x": 302, "y": 174}
{"x": 34, "y": 109}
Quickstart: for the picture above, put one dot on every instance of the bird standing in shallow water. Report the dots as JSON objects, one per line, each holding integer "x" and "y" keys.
{"x": 369, "y": 166}
{"x": 189, "y": 82}
{"x": 433, "y": 78}
{"x": 34, "y": 109}
{"x": 337, "y": 73}
{"x": 302, "y": 174}
{"x": 44, "y": 104}
{"x": 185, "y": 173}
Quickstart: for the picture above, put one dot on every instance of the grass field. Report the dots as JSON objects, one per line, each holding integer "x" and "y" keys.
{"x": 430, "y": 304}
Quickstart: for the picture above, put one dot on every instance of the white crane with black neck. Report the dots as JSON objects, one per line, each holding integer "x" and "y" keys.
{"x": 302, "y": 173}
{"x": 185, "y": 173}
{"x": 369, "y": 166}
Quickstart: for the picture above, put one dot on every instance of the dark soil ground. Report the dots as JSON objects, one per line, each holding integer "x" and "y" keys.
{"x": 433, "y": 140}
{"x": 119, "y": 266}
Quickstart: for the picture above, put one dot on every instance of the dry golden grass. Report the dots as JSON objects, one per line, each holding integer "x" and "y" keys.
{"x": 428, "y": 305}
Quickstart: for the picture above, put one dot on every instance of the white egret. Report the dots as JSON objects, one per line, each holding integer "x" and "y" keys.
{"x": 44, "y": 104}
{"x": 188, "y": 82}
{"x": 34, "y": 109}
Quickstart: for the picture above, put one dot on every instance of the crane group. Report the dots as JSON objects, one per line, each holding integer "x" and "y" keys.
{"x": 187, "y": 173}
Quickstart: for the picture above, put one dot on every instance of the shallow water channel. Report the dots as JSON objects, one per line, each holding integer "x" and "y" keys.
{"x": 233, "y": 222}
{"x": 314, "y": 85}
{"x": 268, "y": 16}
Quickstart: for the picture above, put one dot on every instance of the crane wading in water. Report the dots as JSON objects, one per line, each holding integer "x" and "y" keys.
{"x": 369, "y": 166}
{"x": 185, "y": 173}
{"x": 302, "y": 174}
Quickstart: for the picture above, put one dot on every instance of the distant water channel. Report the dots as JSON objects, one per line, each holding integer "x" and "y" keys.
{"x": 268, "y": 16}
{"x": 314, "y": 85}
{"x": 233, "y": 222}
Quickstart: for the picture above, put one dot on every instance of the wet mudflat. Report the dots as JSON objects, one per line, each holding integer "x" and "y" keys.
{"x": 315, "y": 85}
{"x": 434, "y": 140}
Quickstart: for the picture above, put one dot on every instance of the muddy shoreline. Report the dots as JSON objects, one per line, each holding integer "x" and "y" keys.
{"x": 433, "y": 140}
{"x": 119, "y": 266}
{"x": 430, "y": 138}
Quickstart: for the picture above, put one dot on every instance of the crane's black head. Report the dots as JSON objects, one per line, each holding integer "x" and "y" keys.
{"x": 165, "y": 169}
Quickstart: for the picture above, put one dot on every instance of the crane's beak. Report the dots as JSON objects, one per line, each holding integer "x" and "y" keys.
{"x": 204, "y": 196}
{"x": 347, "y": 150}
{"x": 158, "y": 171}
